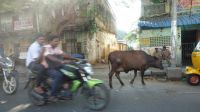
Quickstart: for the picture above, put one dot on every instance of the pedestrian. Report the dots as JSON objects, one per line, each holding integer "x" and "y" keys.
{"x": 157, "y": 53}
{"x": 33, "y": 61}
{"x": 166, "y": 55}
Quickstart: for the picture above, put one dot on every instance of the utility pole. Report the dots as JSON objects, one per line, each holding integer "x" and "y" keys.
{"x": 173, "y": 31}
{"x": 36, "y": 14}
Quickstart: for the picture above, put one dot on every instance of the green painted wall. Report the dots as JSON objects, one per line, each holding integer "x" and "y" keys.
{"x": 149, "y": 39}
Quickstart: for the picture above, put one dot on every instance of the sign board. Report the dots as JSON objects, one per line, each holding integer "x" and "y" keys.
{"x": 186, "y": 5}
{"x": 155, "y": 9}
{"x": 23, "y": 23}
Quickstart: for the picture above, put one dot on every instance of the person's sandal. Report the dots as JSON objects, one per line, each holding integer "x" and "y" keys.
{"x": 52, "y": 99}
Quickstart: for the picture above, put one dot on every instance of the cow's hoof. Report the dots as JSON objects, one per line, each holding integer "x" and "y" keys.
{"x": 131, "y": 85}
{"x": 110, "y": 85}
{"x": 143, "y": 84}
{"x": 121, "y": 86}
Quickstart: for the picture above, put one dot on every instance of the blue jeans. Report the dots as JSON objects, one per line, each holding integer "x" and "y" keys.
{"x": 57, "y": 80}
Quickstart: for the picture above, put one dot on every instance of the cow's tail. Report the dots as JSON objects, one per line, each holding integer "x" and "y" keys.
{"x": 109, "y": 62}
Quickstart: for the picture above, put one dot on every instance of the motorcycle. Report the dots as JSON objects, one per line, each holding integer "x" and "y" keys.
{"x": 10, "y": 81}
{"x": 96, "y": 94}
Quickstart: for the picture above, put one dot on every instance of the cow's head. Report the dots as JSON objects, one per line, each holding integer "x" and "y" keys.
{"x": 158, "y": 63}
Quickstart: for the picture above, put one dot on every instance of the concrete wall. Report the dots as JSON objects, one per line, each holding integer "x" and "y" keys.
{"x": 95, "y": 46}
{"x": 98, "y": 33}
{"x": 122, "y": 46}
{"x": 101, "y": 44}
{"x": 71, "y": 16}
{"x": 17, "y": 44}
{"x": 146, "y": 42}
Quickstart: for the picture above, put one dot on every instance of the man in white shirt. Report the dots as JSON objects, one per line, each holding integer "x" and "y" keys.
{"x": 32, "y": 60}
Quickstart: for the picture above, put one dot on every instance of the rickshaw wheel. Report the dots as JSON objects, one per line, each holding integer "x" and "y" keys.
{"x": 193, "y": 79}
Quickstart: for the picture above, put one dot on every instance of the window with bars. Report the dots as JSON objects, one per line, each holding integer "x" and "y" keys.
{"x": 6, "y": 24}
{"x": 160, "y": 41}
{"x": 70, "y": 44}
{"x": 155, "y": 41}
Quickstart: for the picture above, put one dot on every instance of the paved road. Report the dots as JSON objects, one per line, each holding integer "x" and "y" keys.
{"x": 156, "y": 96}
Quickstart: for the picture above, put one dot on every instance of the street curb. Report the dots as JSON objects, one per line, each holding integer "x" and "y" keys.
{"x": 100, "y": 66}
{"x": 174, "y": 79}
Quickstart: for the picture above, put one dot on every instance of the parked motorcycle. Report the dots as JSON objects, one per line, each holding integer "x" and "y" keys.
{"x": 96, "y": 93}
{"x": 9, "y": 75}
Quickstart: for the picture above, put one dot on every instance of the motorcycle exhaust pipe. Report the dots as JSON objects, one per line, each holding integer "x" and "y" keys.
{"x": 36, "y": 95}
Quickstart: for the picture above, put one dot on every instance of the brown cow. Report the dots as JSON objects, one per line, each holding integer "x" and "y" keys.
{"x": 125, "y": 61}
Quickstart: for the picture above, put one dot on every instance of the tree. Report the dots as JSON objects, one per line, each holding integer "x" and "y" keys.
{"x": 131, "y": 37}
{"x": 12, "y": 5}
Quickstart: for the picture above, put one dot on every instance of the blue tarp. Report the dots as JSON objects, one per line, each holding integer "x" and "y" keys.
{"x": 166, "y": 22}
{"x": 81, "y": 56}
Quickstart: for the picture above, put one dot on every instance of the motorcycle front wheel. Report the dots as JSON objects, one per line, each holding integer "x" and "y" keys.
{"x": 98, "y": 97}
{"x": 10, "y": 86}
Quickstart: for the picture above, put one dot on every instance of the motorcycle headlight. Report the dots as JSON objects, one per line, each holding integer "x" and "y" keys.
{"x": 9, "y": 64}
{"x": 89, "y": 69}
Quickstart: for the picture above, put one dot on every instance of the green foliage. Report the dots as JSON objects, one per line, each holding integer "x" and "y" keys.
{"x": 91, "y": 11}
{"x": 131, "y": 37}
{"x": 93, "y": 27}
{"x": 88, "y": 11}
{"x": 90, "y": 26}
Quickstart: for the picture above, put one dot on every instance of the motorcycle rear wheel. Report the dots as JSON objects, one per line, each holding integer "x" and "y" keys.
{"x": 35, "y": 98}
{"x": 98, "y": 97}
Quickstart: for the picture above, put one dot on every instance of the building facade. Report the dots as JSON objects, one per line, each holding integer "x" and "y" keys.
{"x": 155, "y": 27}
{"x": 85, "y": 26}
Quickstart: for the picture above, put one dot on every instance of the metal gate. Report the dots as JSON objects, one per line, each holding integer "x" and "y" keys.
{"x": 70, "y": 44}
{"x": 187, "y": 49}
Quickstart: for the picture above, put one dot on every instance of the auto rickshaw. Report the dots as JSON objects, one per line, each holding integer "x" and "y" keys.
{"x": 193, "y": 73}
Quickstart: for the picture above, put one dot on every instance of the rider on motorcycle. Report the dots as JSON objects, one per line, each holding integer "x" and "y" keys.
{"x": 32, "y": 60}
{"x": 52, "y": 63}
